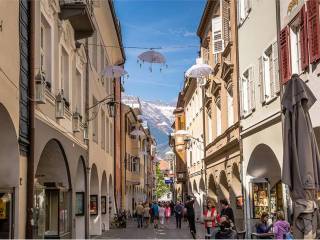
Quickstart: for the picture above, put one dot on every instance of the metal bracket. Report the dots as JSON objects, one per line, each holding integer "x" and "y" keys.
{"x": 1, "y": 23}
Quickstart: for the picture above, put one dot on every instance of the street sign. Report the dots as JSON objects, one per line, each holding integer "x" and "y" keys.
{"x": 168, "y": 181}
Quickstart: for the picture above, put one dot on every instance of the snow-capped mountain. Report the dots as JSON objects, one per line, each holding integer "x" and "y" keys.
{"x": 159, "y": 116}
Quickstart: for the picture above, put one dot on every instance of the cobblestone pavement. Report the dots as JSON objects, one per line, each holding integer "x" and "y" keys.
{"x": 168, "y": 231}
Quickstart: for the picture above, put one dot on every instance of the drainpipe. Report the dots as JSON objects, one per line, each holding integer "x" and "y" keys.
{"x": 30, "y": 166}
{"x": 87, "y": 201}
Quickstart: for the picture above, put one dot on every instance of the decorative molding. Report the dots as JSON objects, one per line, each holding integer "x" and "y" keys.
{"x": 67, "y": 35}
{"x": 226, "y": 70}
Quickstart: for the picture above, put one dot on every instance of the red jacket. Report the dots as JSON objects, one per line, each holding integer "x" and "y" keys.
{"x": 215, "y": 220}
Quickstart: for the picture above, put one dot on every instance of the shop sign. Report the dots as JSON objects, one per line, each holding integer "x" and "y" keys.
{"x": 93, "y": 204}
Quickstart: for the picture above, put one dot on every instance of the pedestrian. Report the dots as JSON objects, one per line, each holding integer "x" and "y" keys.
{"x": 191, "y": 215}
{"x": 227, "y": 211}
{"x": 281, "y": 228}
{"x": 178, "y": 211}
{"x": 139, "y": 212}
{"x": 146, "y": 214}
{"x": 171, "y": 207}
{"x": 155, "y": 212}
{"x": 167, "y": 213}
{"x": 161, "y": 214}
{"x": 225, "y": 230}
{"x": 151, "y": 213}
{"x": 263, "y": 226}
{"x": 211, "y": 219}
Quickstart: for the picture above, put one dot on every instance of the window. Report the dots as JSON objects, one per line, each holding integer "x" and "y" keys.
{"x": 244, "y": 8}
{"x": 102, "y": 63}
{"x": 45, "y": 48}
{"x": 65, "y": 73}
{"x": 190, "y": 158}
{"x": 107, "y": 135}
{"x": 215, "y": 59}
{"x": 77, "y": 93}
{"x": 217, "y": 40}
{"x": 230, "y": 106}
{"x": 218, "y": 116}
{"x": 295, "y": 48}
{"x": 103, "y": 129}
{"x": 209, "y": 125}
{"x": 268, "y": 74}
{"x": 247, "y": 92}
{"x": 95, "y": 50}
{"x": 95, "y": 114}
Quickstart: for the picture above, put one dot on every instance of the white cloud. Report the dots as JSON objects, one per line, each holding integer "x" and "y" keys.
{"x": 189, "y": 34}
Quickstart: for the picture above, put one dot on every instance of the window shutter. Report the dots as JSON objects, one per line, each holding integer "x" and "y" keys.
{"x": 251, "y": 91}
{"x": 313, "y": 29}
{"x": 261, "y": 80}
{"x": 285, "y": 55}
{"x": 304, "y": 39}
{"x": 247, "y": 6}
{"x": 275, "y": 67}
{"x": 218, "y": 43}
{"x": 226, "y": 21}
{"x": 241, "y": 97}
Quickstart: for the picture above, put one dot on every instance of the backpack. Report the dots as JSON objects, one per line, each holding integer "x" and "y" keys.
{"x": 288, "y": 235}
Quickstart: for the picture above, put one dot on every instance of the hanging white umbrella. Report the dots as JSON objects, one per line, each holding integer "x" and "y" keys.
{"x": 199, "y": 70}
{"x": 152, "y": 56}
{"x": 137, "y": 132}
{"x": 113, "y": 72}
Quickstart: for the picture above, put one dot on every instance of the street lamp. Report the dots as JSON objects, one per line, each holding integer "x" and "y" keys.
{"x": 60, "y": 103}
{"x": 111, "y": 108}
{"x": 40, "y": 87}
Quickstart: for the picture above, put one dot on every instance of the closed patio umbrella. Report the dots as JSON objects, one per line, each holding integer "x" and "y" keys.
{"x": 301, "y": 161}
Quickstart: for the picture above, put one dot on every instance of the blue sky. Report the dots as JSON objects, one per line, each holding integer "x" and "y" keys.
{"x": 170, "y": 24}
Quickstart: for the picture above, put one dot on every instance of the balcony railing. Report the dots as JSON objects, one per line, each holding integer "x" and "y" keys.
{"x": 79, "y": 13}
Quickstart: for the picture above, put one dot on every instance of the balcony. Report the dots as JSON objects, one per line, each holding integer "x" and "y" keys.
{"x": 132, "y": 178}
{"x": 78, "y": 12}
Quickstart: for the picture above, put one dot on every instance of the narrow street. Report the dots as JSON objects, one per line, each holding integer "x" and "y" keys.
{"x": 167, "y": 232}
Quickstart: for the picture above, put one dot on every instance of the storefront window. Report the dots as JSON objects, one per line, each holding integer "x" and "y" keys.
{"x": 265, "y": 199}
{"x": 5, "y": 215}
{"x": 63, "y": 214}
{"x": 260, "y": 198}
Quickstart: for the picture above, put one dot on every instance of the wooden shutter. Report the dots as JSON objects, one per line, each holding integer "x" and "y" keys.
{"x": 241, "y": 97}
{"x": 261, "y": 80}
{"x": 226, "y": 20}
{"x": 251, "y": 91}
{"x": 218, "y": 43}
{"x": 285, "y": 55}
{"x": 304, "y": 39}
{"x": 313, "y": 29}
{"x": 275, "y": 67}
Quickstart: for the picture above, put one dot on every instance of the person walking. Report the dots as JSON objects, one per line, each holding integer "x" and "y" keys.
{"x": 281, "y": 228}
{"x": 227, "y": 211}
{"x": 155, "y": 212}
{"x": 161, "y": 214}
{"x": 139, "y": 212}
{"x": 178, "y": 211}
{"x": 167, "y": 213}
{"x": 211, "y": 219}
{"x": 191, "y": 215}
{"x": 146, "y": 214}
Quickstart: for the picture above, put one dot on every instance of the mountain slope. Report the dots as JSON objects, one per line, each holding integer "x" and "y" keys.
{"x": 159, "y": 116}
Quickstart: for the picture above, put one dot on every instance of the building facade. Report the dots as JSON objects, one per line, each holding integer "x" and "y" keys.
{"x": 74, "y": 131}
{"x": 218, "y": 37}
{"x": 192, "y": 99}
{"x": 178, "y": 145}
{"x": 261, "y": 129}
{"x": 300, "y": 48}
{"x": 137, "y": 158}
{"x": 14, "y": 117}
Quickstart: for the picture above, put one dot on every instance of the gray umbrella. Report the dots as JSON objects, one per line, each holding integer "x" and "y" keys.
{"x": 301, "y": 160}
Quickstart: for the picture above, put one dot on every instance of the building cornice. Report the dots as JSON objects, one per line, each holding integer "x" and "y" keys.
{"x": 206, "y": 17}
